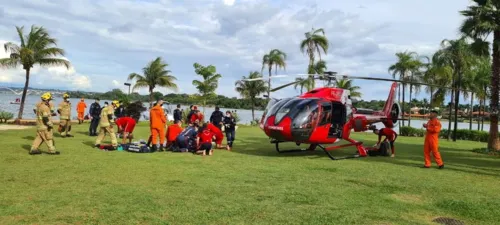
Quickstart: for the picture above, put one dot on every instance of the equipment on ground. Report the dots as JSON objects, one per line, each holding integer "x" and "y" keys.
{"x": 326, "y": 115}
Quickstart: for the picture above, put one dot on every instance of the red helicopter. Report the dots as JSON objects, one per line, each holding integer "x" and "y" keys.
{"x": 324, "y": 116}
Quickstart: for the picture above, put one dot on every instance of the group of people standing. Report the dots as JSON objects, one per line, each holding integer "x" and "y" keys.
{"x": 197, "y": 136}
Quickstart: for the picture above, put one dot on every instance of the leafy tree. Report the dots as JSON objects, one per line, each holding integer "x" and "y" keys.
{"x": 407, "y": 65}
{"x": 37, "y": 47}
{"x": 457, "y": 54}
{"x": 481, "y": 20}
{"x": 251, "y": 89}
{"x": 314, "y": 42}
{"x": 276, "y": 58}
{"x": 208, "y": 85}
{"x": 345, "y": 83}
{"x": 155, "y": 74}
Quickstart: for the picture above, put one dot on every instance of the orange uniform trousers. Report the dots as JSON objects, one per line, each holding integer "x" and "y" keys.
{"x": 158, "y": 132}
{"x": 81, "y": 115}
{"x": 431, "y": 147}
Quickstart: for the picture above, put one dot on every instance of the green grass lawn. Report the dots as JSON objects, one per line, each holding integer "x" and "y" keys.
{"x": 251, "y": 185}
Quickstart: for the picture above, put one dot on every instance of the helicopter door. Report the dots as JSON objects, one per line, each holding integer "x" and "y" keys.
{"x": 338, "y": 119}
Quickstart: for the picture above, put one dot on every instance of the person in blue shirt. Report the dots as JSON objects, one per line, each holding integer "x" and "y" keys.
{"x": 186, "y": 138}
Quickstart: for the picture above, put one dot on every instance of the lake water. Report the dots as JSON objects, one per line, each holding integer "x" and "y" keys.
{"x": 31, "y": 100}
{"x": 245, "y": 115}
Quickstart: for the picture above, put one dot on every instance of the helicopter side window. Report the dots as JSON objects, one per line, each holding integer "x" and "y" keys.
{"x": 326, "y": 113}
{"x": 274, "y": 108}
{"x": 338, "y": 118}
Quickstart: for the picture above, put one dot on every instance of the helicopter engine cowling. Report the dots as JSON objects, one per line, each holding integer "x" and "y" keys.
{"x": 360, "y": 123}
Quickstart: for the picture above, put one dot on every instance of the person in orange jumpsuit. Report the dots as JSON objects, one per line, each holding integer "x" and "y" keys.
{"x": 218, "y": 134}
{"x": 80, "y": 109}
{"x": 172, "y": 132}
{"x": 431, "y": 143}
{"x": 157, "y": 122}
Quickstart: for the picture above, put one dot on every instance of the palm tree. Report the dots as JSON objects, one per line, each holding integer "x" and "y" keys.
{"x": 276, "y": 58}
{"x": 37, "y": 47}
{"x": 301, "y": 82}
{"x": 314, "y": 42}
{"x": 439, "y": 74}
{"x": 320, "y": 68}
{"x": 481, "y": 21}
{"x": 406, "y": 65}
{"x": 458, "y": 55}
{"x": 482, "y": 79}
{"x": 347, "y": 84}
{"x": 154, "y": 74}
{"x": 209, "y": 84}
{"x": 251, "y": 89}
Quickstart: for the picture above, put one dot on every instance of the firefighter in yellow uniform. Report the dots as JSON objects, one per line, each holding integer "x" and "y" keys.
{"x": 44, "y": 132}
{"x": 106, "y": 123}
{"x": 64, "y": 111}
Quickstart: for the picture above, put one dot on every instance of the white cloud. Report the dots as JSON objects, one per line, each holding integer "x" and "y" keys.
{"x": 108, "y": 39}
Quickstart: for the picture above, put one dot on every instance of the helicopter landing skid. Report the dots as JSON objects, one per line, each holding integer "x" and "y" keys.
{"x": 359, "y": 146}
{"x": 277, "y": 143}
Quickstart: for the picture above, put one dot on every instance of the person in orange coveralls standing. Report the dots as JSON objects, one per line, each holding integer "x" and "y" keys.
{"x": 80, "y": 109}
{"x": 157, "y": 122}
{"x": 431, "y": 144}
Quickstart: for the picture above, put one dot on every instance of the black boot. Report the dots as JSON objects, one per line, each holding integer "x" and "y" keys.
{"x": 161, "y": 148}
{"x": 153, "y": 148}
{"x": 35, "y": 152}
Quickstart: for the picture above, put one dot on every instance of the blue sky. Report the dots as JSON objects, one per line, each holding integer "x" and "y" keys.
{"x": 108, "y": 39}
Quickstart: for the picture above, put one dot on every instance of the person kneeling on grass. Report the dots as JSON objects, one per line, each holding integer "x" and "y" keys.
{"x": 126, "y": 126}
{"x": 390, "y": 135}
{"x": 173, "y": 132}
{"x": 204, "y": 141}
{"x": 185, "y": 139}
{"x": 218, "y": 134}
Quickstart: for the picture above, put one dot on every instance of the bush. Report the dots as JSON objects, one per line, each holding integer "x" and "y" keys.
{"x": 236, "y": 117}
{"x": 255, "y": 122}
{"x": 462, "y": 134}
{"x": 4, "y": 116}
{"x": 134, "y": 110}
{"x": 411, "y": 132}
{"x": 471, "y": 135}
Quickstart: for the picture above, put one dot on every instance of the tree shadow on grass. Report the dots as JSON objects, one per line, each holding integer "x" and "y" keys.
{"x": 26, "y": 147}
{"x": 31, "y": 138}
{"x": 409, "y": 155}
{"x": 89, "y": 143}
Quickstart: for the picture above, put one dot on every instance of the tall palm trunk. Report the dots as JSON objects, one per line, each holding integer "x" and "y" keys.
{"x": 451, "y": 105}
{"x": 479, "y": 114}
{"x": 432, "y": 95}
{"x": 484, "y": 110}
{"x": 23, "y": 98}
{"x": 253, "y": 113}
{"x": 471, "y": 110}
{"x": 399, "y": 101}
{"x": 494, "y": 142}
{"x": 403, "y": 105}
{"x": 150, "y": 98}
{"x": 269, "y": 82}
{"x": 457, "y": 99}
{"x": 411, "y": 89}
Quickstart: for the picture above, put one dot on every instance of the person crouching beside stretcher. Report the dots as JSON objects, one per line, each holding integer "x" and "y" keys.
{"x": 390, "y": 135}
{"x": 172, "y": 132}
{"x": 204, "y": 141}
{"x": 218, "y": 134}
{"x": 126, "y": 126}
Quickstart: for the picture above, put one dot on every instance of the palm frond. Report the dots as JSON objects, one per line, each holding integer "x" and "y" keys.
{"x": 54, "y": 62}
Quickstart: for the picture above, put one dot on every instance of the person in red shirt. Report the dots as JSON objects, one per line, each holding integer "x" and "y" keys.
{"x": 126, "y": 126}
{"x": 172, "y": 132}
{"x": 390, "y": 135}
{"x": 204, "y": 141}
{"x": 218, "y": 134}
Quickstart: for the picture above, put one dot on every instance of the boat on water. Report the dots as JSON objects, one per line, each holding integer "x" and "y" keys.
{"x": 18, "y": 101}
